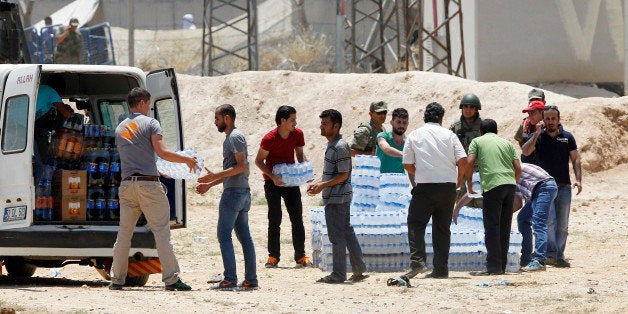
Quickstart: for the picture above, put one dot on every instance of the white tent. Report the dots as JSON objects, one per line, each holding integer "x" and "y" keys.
{"x": 83, "y": 10}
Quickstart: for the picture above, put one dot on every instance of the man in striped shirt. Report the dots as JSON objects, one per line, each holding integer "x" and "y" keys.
{"x": 337, "y": 193}
{"x": 538, "y": 189}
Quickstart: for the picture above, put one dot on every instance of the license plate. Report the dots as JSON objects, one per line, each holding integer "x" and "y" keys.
{"x": 14, "y": 213}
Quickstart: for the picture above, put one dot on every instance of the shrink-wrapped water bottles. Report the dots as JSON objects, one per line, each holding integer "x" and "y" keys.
{"x": 294, "y": 174}
{"x": 379, "y": 211}
{"x": 177, "y": 170}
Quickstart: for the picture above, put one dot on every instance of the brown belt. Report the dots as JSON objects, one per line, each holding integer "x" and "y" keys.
{"x": 141, "y": 178}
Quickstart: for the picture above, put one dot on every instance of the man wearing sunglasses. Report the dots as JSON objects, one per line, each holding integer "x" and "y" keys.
{"x": 554, "y": 148}
{"x": 365, "y": 136}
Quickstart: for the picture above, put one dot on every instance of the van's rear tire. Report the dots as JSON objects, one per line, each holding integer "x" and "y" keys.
{"x": 17, "y": 267}
{"x": 137, "y": 281}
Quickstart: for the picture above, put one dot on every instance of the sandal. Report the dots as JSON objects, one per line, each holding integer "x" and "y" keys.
{"x": 358, "y": 277}
{"x": 330, "y": 279}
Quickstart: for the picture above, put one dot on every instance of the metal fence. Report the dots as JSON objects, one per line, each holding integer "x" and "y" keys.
{"x": 97, "y": 44}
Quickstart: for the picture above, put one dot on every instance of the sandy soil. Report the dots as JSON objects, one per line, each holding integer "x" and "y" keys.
{"x": 597, "y": 281}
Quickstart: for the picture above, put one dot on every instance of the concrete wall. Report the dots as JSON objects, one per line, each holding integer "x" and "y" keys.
{"x": 540, "y": 41}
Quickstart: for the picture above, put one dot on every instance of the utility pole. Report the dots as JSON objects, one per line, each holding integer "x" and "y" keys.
{"x": 340, "y": 16}
{"x": 131, "y": 33}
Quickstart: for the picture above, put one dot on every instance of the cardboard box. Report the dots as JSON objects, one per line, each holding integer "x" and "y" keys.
{"x": 70, "y": 183}
{"x": 70, "y": 208}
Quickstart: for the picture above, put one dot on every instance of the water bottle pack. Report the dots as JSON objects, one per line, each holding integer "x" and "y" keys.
{"x": 383, "y": 238}
{"x": 177, "y": 170}
{"x": 294, "y": 174}
{"x": 477, "y": 186}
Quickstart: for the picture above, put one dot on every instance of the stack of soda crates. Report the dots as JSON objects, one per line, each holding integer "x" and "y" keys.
{"x": 101, "y": 161}
{"x": 79, "y": 151}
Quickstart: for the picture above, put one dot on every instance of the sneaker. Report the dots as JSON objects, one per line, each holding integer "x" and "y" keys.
{"x": 485, "y": 273}
{"x": 303, "y": 262}
{"x": 550, "y": 261}
{"x": 416, "y": 270}
{"x": 437, "y": 276}
{"x": 562, "y": 263}
{"x": 178, "y": 286}
{"x": 357, "y": 277}
{"x": 272, "y": 262}
{"x": 225, "y": 286}
{"x": 533, "y": 266}
{"x": 248, "y": 285}
{"x": 114, "y": 286}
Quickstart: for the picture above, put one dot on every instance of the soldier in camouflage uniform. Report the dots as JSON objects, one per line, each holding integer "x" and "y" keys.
{"x": 467, "y": 128}
{"x": 365, "y": 136}
{"x": 69, "y": 44}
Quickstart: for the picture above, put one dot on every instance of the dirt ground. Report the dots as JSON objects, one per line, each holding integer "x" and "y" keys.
{"x": 596, "y": 282}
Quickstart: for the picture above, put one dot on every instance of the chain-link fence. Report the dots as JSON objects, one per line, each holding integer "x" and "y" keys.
{"x": 97, "y": 45}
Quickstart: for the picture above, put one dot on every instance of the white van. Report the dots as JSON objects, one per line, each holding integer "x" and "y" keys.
{"x": 100, "y": 93}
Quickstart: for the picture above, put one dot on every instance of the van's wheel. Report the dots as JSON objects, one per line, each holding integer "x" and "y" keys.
{"x": 17, "y": 267}
{"x": 137, "y": 281}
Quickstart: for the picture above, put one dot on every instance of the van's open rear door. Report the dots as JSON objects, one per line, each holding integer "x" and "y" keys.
{"x": 16, "y": 147}
{"x": 162, "y": 85}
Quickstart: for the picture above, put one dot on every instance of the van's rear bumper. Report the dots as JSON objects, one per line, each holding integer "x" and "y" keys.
{"x": 72, "y": 241}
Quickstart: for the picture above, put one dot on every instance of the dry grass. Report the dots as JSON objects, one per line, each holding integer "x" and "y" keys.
{"x": 304, "y": 52}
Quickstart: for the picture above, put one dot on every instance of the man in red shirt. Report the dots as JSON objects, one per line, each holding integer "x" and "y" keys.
{"x": 278, "y": 146}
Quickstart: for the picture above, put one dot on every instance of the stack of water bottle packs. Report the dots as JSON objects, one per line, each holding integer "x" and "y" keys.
{"x": 295, "y": 174}
{"x": 379, "y": 211}
{"x": 176, "y": 170}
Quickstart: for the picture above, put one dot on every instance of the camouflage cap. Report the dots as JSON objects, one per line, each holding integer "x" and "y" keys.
{"x": 378, "y": 106}
{"x": 536, "y": 94}
{"x": 74, "y": 21}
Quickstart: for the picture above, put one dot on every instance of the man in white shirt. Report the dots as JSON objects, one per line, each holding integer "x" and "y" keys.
{"x": 431, "y": 154}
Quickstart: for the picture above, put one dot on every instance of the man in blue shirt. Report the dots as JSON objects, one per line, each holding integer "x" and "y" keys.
{"x": 554, "y": 148}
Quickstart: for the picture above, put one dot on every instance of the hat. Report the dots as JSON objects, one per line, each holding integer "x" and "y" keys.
{"x": 536, "y": 94}
{"x": 74, "y": 21}
{"x": 535, "y": 104}
{"x": 378, "y": 106}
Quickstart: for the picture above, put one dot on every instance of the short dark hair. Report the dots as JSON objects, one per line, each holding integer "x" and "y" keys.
{"x": 284, "y": 112}
{"x": 334, "y": 115}
{"x": 227, "y": 110}
{"x": 401, "y": 113}
{"x": 48, "y": 18}
{"x": 488, "y": 126}
{"x": 434, "y": 112}
{"x": 136, "y": 95}
{"x": 57, "y": 82}
{"x": 551, "y": 107}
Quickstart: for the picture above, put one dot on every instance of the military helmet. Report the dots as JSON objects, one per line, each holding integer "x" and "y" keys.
{"x": 471, "y": 99}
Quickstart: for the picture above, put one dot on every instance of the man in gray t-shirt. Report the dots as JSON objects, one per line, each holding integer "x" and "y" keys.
{"x": 138, "y": 138}
{"x": 235, "y": 202}
{"x": 336, "y": 187}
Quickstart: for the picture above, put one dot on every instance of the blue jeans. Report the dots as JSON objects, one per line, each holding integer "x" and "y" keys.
{"x": 342, "y": 238}
{"x": 558, "y": 223}
{"x": 533, "y": 216}
{"x": 233, "y": 214}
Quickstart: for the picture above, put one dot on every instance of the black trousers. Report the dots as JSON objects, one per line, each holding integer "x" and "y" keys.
{"x": 497, "y": 214}
{"x": 292, "y": 198}
{"x": 436, "y": 201}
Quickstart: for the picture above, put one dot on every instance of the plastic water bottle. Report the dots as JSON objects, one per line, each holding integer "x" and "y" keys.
{"x": 54, "y": 272}
{"x": 201, "y": 239}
